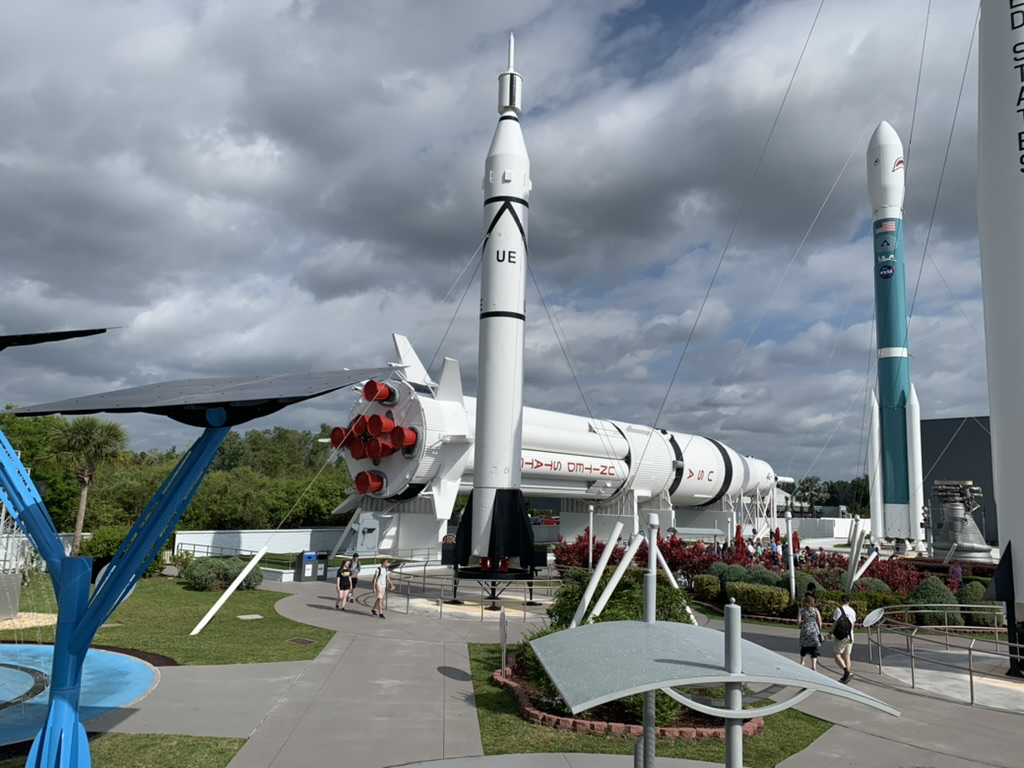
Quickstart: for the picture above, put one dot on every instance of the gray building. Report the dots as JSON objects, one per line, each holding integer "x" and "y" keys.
{"x": 960, "y": 449}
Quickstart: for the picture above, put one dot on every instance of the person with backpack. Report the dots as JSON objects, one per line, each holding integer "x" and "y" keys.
{"x": 381, "y": 583}
{"x": 844, "y": 619}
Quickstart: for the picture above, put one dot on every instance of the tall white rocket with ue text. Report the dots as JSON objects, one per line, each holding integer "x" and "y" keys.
{"x": 495, "y": 532}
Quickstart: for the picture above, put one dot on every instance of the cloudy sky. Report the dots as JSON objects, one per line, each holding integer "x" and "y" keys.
{"x": 268, "y": 186}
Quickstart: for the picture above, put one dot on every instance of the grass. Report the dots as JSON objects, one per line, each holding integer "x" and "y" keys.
{"x": 161, "y": 613}
{"x": 154, "y": 751}
{"x": 503, "y": 731}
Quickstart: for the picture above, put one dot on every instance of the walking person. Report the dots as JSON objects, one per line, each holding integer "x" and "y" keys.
{"x": 842, "y": 630}
{"x": 381, "y": 584}
{"x": 355, "y": 572}
{"x": 810, "y": 631}
{"x": 344, "y": 584}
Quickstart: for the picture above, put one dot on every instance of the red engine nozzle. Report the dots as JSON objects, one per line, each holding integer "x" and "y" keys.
{"x": 359, "y": 426}
{"x": 357, "y": 450}
{"x": 369, "y": 482}
{"x": 378, "y": 392}
{"x": 379, "y": 447}
{"x": 338, "y": 435}
{"x": 403, "y": 437}
{"x": 378, "y": 425}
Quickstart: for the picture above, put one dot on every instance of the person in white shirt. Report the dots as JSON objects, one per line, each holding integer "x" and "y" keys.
{"x": 842, "y": 632}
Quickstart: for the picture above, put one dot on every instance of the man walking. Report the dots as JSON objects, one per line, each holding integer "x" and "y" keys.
{"x": 381, "y": 584}
{"x": 844, "y": 619}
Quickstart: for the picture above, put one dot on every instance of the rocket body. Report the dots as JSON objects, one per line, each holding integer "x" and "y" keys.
{"x": 886, "y": 175}
{"x": 496, "y": 510}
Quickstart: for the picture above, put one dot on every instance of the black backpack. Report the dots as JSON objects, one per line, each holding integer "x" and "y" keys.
{"x": 843, "y": 627}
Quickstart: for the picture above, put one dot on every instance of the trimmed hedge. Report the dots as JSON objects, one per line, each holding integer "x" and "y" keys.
{"x": 803, "y": 580}
{"x": 734, "y": 572}
{"x": 932, "y": 591}
{"x": 758, "y": 599}
{"x": 706, "y": 588}
{"x": 758, "y": 574}
{"x": 869, "y": 584}
{"x": 973, "y": 593}
{"x": 717, "y": 568}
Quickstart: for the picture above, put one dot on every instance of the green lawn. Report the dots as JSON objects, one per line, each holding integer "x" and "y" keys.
{"x": 124, "y": 750}
{"x": 161, "y": 613}
{"x": 503, "y": 731}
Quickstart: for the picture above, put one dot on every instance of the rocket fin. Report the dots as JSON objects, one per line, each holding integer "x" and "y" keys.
{"x": 415, "y": 371}
{"x": 450, "y": 388}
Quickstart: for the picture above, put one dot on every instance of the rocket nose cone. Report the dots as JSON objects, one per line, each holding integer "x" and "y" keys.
{"x": 885, "y": 168}
{"x": 884, "y": 134}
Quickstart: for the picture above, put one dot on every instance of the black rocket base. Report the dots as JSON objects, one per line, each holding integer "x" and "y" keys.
{"x": 510, "y": 551}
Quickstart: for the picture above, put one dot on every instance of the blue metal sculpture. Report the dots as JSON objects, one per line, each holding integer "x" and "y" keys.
{"x": 217, "y": 405}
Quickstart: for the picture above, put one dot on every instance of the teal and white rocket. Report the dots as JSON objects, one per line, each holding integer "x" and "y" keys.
{"x": 894, "y": 440}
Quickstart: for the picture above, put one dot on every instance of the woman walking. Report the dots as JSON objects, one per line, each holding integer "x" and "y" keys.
{"x": 344, "y": 583}
{"x": 810, "y": 631}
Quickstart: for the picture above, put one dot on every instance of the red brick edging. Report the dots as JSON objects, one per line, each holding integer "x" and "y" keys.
{"x": 534, "y": 715}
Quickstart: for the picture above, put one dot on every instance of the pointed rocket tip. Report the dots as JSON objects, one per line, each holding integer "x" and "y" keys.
{"x": 885, "y": 134}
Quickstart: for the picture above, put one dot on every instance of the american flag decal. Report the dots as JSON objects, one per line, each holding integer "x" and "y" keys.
{"x": 885, "y": 226}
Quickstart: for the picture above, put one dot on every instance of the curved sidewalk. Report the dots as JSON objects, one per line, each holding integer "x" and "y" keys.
{"x": 399, "y": 692}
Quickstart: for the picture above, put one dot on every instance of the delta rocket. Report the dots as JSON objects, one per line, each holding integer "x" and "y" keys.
{"x": 894, "y": 441}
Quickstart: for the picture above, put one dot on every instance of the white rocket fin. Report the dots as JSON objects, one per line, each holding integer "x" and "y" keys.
{"x": 450, "y": 388}
{"x": 415, "y": 371}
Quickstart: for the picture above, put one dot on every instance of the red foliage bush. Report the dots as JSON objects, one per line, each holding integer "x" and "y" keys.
{"x": 902, "y": 576}
{"x": 574, "y": 554}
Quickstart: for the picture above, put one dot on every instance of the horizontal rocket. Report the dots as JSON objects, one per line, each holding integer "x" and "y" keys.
{"x": 410, "y": 436}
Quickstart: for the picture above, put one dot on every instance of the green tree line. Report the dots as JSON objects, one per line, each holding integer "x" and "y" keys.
{"x": 853, "y": 494}
{"x": 257, "y": 479}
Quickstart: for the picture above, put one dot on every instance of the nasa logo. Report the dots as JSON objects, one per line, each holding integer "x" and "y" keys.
{"x": 886, "y": 272}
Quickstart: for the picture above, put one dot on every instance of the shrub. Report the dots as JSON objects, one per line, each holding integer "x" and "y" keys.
{"x": 717, "y": 568}
{"x": 932, "y": 591}
{"x": 900, "y": 575}
{"x": 706, "y": 587}
{"x": 758, "y": 574}
{"x": 574, "y": 554}
{"x": 758, "y": 599}
{"x": 181, "y": 559}
{"x": 206, "y": 573}
{"x": 734, "y": 573}
{"x": 666, "y": 709}
{"x": 626, "y": 602}
{"x": 973, "y": 593}
{"x": 869, "y": 584}
{"x": 873, "y": 600}
{"x": 104, "y": 543}
{"x": 529, "y": 665}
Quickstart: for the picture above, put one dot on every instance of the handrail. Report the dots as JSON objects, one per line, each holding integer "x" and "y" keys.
{"x": 895, "y": 621}
{"x": 414, "y": 575}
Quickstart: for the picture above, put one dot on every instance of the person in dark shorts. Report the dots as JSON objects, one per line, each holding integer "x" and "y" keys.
{"x": 810, "y": 631}
{"x": 355, "y": 572}
{"x": 344, "y": 584}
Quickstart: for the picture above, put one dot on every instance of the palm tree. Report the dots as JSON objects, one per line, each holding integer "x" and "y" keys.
{"x": 83, "y": 445}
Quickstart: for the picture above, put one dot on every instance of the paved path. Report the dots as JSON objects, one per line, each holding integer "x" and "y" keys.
{"x": 398, "y": 691}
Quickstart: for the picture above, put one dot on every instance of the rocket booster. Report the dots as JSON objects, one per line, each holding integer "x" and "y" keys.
{"x": 897, "y": 445}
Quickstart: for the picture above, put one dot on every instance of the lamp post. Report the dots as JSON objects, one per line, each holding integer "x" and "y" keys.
{"x": 789, "y": 557}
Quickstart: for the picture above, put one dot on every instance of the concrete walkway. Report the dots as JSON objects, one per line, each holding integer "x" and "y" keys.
{"x": 398, "y": 692}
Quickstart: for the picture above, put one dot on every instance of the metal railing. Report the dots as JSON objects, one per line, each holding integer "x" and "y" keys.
{"x": 424, "y": 579}
{"x": 898, "y": 621}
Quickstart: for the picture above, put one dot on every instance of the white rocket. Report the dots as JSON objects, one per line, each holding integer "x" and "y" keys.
{"x": 414, "y": 438}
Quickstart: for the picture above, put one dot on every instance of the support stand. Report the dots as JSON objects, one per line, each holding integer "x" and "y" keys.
{"x": 62, "y": 740}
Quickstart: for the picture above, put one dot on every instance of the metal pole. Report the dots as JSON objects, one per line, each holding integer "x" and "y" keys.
{"x": 970, "y": 667}
{"x": 650, "y": 606}
{"x": 590, "y": 539}
{"x": 733, "y": 691}
{"x": 638, "y": 752}
{"x": 789, "y": 557}
{"x": 878, "y": 635}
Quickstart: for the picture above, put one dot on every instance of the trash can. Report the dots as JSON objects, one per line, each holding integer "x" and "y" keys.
{"x": 322, "y": 563}
{"x": 306, "y": 567}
